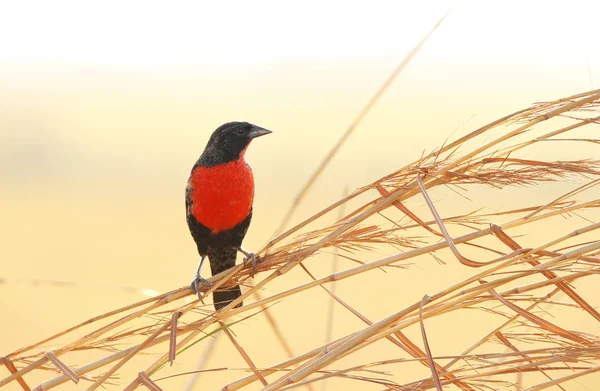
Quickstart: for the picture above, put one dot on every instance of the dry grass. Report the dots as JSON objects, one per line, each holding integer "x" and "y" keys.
{"x": 509, "y": 282}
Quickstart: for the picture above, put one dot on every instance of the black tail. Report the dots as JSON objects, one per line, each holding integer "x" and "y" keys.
{"x": 220, "y": 260}
{"x": 223, "y": 298}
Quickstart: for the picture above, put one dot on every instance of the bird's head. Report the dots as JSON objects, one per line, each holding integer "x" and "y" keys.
{"x": 234, "y": 137}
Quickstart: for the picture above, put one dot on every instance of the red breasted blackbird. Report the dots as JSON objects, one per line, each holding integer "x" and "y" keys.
{"x": 218, "y": 202}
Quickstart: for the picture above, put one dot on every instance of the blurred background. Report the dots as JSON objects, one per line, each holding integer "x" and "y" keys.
{"x": 104, "y": 108}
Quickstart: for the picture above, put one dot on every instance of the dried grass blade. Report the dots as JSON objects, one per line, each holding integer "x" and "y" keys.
{"x": 195, "y": 328}
{"x": 12, "y": 369}
{"x": 158, "y": 303}
{"x": 134, "y": 384}
{"x": 462, "y": 259}
{"x": 539, "y": 321}
{"x": 243, "y": 353}
{"x": 576, "y": 166}
{"x": 128, "y": 357}
{"x": 145, "y": 380}
{"x": 95, "y": 319}
{"x": 173, "y": 336}
{"x": 512, "y": 347}
{"x": 564, "y": 196}
{"x": 62, "y": 367}
{"x": 587, "y": 99}
{"x": 477, "y": 132}
{"x": 417, "y": 353}
{"x": 545, "y": 385}
{"x": 98, "y": 364}
{"x": 511, "y": 243}
{"x": 390, "y": 385}
{"x": 581, "y": 122}
{"x": 436, "y": 379}
{"x": 407, "y": 211}
{"x": 18, "y": 374}
{"x": 293, "y": 361}
{"x": 147, "y": 343}
{"x": 158, "y": 363}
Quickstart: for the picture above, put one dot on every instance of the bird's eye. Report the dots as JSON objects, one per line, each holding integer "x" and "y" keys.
{"x": 239, "y": 131}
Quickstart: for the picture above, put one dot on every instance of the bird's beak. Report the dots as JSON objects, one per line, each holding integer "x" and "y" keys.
{"x": 257, "y": 131}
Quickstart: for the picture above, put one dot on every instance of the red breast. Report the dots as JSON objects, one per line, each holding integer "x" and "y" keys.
{"x": 222, "y": 195}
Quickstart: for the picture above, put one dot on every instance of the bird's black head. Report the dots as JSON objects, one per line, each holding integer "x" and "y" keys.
{"x": 230, "y": 139}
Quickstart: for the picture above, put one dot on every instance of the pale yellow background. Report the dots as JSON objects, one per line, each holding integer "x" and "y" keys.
{"x": 104, "y": 109}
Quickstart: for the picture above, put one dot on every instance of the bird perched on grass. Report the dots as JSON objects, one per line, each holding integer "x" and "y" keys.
{"x": 218, "y": 203}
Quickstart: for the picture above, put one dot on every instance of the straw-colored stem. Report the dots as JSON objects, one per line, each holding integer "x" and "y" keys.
{"x": 365, "y": 110}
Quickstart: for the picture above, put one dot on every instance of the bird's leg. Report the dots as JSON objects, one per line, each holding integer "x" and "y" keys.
{"x": 198, "y": 279}
{"x": 248, "y": 256}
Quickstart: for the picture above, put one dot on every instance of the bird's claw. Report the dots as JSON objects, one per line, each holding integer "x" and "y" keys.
{"x": 253, "y": 257}
{"x": 195, "y": 285}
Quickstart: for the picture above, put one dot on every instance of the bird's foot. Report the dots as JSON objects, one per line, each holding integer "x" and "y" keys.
{"x": 251, "y": 256}
{"x": 198, "y": 281}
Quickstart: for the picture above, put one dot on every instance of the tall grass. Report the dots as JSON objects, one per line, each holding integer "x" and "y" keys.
{"x": 506, "y": 280}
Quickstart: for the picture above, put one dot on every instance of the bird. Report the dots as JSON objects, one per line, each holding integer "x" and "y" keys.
{"x": 219, "y": 200}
